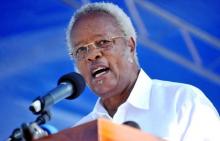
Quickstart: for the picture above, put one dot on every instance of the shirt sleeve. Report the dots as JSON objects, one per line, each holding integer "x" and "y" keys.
{"x": 199, "y": 119}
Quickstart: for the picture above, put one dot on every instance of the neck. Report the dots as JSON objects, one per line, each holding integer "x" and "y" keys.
{"x": 111, "y": 104}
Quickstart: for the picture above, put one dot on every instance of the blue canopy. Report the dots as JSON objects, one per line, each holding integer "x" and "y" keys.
{"x": 177, "y": 41}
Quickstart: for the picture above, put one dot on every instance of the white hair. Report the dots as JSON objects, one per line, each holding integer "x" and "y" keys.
{"x": 117, "y": 13}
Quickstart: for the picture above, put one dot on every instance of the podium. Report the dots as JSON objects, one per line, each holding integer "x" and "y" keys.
{"x": 101, "y": 130}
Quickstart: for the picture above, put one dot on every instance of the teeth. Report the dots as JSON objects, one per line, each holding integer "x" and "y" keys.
{"x": 99, "y": 71}
{"x": 99, "y": 74}
{"x": 100, "y": 82}
{"x": 99, "y": 68}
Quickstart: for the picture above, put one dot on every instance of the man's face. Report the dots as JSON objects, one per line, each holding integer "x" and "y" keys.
{"x": 106, "y": 71}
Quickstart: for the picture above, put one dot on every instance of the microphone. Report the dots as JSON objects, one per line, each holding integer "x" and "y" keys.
{"x": 70, "y": 86}
{"x": 132, "y": 124}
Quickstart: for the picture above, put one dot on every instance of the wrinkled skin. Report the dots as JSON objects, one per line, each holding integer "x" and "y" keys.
{"x": 122, "y": 74}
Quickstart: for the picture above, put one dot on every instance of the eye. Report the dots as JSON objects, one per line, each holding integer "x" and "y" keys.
{"x": 81, "y": 51}
{"x": 103, "y": 43}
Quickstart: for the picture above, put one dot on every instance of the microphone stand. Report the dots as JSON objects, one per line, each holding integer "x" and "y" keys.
{"x": 69, "y": 86}
{"x": 32, "y": 130}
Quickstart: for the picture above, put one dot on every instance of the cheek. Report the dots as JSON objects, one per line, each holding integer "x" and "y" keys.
{"x": 119, "y": 61}
{"x": 84, "y": 71}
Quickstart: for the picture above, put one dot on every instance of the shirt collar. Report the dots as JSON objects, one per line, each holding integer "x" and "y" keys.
{"x": 99, "y": 110}
{"x": 139, "y": 96}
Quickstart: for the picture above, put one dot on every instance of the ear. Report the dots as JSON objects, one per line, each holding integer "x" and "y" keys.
{"x": 131, "y": 44}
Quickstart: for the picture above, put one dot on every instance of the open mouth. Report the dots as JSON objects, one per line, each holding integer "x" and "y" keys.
{"x": 99, "y": 71}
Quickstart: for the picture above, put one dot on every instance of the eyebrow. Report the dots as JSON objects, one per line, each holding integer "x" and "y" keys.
{"x": 83, "y": 41}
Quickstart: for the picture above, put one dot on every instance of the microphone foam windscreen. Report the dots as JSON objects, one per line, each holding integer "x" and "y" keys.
{"x": 77, "y": 81}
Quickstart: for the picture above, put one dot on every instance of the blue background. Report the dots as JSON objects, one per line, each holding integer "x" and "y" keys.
{"x": 177, "y": 41}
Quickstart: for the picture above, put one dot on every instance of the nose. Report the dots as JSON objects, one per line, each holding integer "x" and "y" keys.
{"x": 94, "y": 54}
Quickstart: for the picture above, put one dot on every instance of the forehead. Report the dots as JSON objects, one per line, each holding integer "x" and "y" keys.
{"x": 92, "y": 26}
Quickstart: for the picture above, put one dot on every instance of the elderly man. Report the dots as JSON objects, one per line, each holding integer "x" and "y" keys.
{"x": 102, "y": 42}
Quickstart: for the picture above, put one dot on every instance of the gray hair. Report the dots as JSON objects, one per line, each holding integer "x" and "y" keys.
{"x": 117, "y": 13}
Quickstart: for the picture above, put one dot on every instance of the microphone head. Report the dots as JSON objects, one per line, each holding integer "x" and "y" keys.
{"x": 77, "y": 81}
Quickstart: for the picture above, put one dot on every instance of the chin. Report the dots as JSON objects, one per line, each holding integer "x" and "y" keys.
{"x": 104, "y": 89}
{"x": 102, "y": 92}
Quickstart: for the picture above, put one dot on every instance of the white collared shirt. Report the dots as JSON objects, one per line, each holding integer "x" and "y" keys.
{"x": 173, "y": 111}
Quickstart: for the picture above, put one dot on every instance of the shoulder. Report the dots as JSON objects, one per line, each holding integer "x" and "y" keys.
{"x": 182, "y": 96}
{"x": 178, "y": 94}
{"x": 176, "y": 89}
